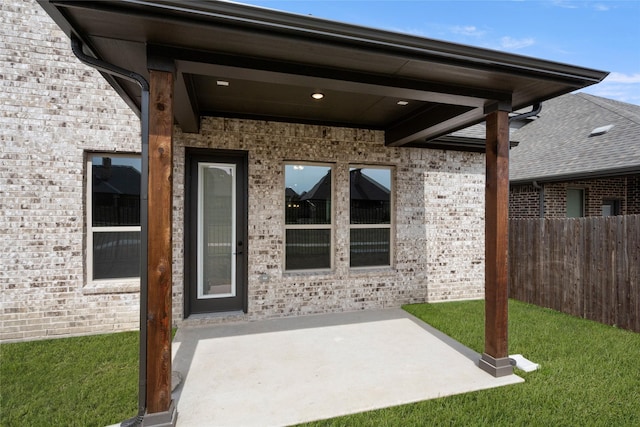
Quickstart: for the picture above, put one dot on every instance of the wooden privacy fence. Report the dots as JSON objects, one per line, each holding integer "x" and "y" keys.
{"x": 587, "y": 267}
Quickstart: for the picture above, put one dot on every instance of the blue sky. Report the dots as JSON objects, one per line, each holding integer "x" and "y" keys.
{"x": 604, "y": 35}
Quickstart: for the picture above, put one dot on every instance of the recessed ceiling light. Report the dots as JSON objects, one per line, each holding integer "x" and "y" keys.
{"x": 403, "y": 103}
{"x": 222, "y": 83}
{"x": 317, "y": 95}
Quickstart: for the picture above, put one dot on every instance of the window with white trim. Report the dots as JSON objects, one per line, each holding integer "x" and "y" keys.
{"x": 370, "y": 207}
{"x": 113, "y": 217}
{"x": 308, "y": 217}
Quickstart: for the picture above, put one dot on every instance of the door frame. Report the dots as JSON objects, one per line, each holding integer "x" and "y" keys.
{"x": 192, "y": 157}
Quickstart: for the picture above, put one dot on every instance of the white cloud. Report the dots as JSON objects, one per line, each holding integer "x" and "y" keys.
{"x": 468, "y": 30}
{"x": 514, "y": 44}
{"x": 585, "y": 4}
{"x": 622, "y": 78}
{"x": 618, "y": 86}
{"x": 567, "y": 4}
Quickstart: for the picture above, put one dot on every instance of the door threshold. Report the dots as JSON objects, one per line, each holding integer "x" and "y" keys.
{"x": 203, "y": 319}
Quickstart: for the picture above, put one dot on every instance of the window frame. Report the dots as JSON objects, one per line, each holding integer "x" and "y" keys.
{"x": 615, "y": 204}
{"x": 91, "y": 229}
{"x": 330, "y": 226}
{"x": 390, "y": 226}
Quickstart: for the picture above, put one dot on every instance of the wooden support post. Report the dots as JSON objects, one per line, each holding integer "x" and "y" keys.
{"x": 160, "y": 408}
{"x": 495, "y": 359}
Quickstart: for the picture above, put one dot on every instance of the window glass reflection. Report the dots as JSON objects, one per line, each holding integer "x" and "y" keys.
{"x": 308, "y": 249}
{"x": 369, "y": 247}
{"x": 116, "y": 255}
{"x": 307, "y": 194}
{"x": 370, "y": 196}
{"x": 115, "y": 191}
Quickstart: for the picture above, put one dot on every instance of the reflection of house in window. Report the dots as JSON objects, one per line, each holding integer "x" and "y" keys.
{"x": 113, "y": 220}
{"x": 116, "y": 194}
{"x": 370, "y": 217}
{"x": 308, "y": 217}
{"x": 370, "y": 200}
{"x": 313, "y": 206}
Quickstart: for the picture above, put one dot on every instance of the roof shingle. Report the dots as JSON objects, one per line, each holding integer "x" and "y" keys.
{"x": 558, "y": 144}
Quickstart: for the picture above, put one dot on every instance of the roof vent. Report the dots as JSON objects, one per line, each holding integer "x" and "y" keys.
{"x": 601, "y": 130}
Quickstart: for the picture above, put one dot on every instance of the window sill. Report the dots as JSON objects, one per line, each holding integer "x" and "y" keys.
{"x": 322, "y": 272}
{"x": 112, "y": 287}
{"x": 367, "y": 271}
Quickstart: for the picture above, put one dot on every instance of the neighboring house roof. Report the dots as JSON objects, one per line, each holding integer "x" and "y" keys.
{"x": 363, "y": 187}
{"x": 116, "y": 179}
{"x": 290, "y": 193}
{"x": 561, "y": 144}
{"x": 320, "y": 191}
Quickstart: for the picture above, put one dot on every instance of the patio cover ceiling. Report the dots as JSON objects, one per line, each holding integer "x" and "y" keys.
{"x": 273, "y": 61}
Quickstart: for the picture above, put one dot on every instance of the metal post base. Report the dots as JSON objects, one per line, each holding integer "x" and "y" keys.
{"x": 162, "y": 419}
{"x": 497, "y": 367}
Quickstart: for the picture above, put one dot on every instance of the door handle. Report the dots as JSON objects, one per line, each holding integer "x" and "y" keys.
{"x": 239, "y": 250}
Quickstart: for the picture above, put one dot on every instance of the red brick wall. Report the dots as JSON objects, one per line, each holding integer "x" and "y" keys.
{"x": 524, "y": 202}
{"x": 633, "y": 195}
{"x": 555, "y": 200}
{"x": 611, "y": 189}
{"x": 523, "y": 199}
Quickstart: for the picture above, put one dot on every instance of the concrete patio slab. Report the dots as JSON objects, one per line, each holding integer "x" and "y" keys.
{"x": 288, "y": 371}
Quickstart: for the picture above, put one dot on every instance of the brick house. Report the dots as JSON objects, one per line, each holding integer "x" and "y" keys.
{"x": 287, "y": 165}
{"x": 66, "y": 268}
{"x": 580, "y": 156}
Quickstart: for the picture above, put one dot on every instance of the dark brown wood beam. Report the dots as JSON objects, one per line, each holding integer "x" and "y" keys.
{"x": 159, "y": 274}
{"x": 422, "y": 127}
{"x": 186, "y": 109}
{"x": 495, "y": 359}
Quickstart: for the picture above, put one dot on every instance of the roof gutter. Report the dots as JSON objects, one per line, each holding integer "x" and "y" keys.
{"x": 535, "y": 110}
{"x": 595, "y": 174}
{"x": 104, "y": 67}
{"x": 198, "y": 13}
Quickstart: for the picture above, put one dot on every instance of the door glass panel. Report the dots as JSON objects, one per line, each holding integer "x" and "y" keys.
{"x": 216, "y": 230}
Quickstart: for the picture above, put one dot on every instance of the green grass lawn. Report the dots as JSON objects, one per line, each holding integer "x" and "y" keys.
{"x": 589, "y": 376}
{"x": 84, "y": 381}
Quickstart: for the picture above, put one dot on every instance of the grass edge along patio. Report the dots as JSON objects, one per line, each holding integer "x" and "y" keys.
{"x": 90, "y": 381}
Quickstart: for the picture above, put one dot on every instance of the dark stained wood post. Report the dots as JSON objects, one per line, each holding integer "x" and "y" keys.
{"x": 495, "y": 359}
{"x": 160, "y": 407}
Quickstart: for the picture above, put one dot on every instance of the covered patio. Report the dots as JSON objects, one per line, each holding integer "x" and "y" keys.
{"x": 175, "y": 62}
